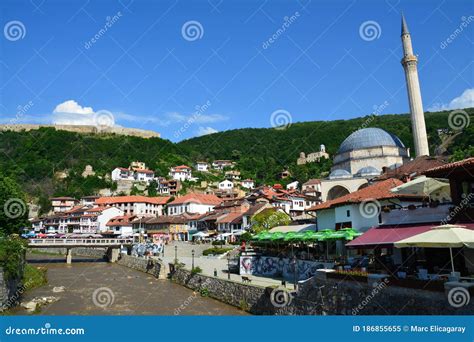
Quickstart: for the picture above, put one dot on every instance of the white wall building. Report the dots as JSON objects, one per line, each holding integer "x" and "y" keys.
{"x": 121, "y": 173}
{"x": 193, "y": 203}
{"x": 248, "y": 184}
{"x": 181, "y": 173}
{"x": 226, "y": 185}
{"x": 202, "y": 166}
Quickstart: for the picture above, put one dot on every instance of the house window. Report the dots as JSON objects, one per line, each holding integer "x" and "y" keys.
{"x": 348, "y": 213}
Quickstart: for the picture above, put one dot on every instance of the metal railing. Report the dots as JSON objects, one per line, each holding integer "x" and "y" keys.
{"x": 83, "y": 241}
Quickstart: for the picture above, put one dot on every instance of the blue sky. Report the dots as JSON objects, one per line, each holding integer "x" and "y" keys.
{"x": 226, "y": 71}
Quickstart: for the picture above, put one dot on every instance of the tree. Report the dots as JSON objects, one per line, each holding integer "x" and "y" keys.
{"x": 152, "y": 188}
{"x": 268, "y": 219}
{"x": 13, "y": 207}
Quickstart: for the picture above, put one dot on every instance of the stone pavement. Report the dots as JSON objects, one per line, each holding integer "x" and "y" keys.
{"x": 209, "y": 264}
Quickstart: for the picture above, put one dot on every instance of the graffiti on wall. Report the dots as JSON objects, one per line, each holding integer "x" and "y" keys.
{"x": 280, "y": 267}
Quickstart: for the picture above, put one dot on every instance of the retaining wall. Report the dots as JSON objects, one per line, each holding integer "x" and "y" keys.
{"x": 153, "y": 266}
{"x": 323, "y": 297}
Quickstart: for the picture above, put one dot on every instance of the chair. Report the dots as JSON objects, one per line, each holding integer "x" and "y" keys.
{"x": 423, "y": 274}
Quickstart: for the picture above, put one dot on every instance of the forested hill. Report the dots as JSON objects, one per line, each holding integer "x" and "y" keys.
{"x": 33, "y": 158}
{"x": 285, "y": 144}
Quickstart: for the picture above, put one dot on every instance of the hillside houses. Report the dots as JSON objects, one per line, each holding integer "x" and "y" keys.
{"x": 221, "y": 164}
{"x": 202, "y": 166}
{"x": 135, "y": 205}
{"x": 181, "y": 173}
{"x": 193, "y": 203}
{"x": 62, "y": 204}
{"x": 137, "y": 172}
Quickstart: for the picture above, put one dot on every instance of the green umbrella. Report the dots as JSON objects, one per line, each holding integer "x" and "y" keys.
{"x": 264, "y": 236}
{"x": 289, "y": 236}
{"x": 310, "y": 236}
{"x": 350, "y": 233}
{"x": 277, "y": 236}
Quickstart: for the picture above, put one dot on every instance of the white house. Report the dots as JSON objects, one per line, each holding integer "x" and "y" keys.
{"x": 202, "y": 166}
{"x": 292, "y": 185}
{"x": 193, "y": 203}
{"x": 232, "y": 175}
{"x": 121, "y": 173}
{"x": 248, "y": 184}
{"x": 102, "y": 216}
{"x": 62, "y": 204}
{"x": 221, "y": 164}
{"x": 181, "y": 173}
{"x": 144, "y": 175}
{"x": 141, "y": 206}
{"x": 120, "y": 226}
{"x": 226, "y": 185}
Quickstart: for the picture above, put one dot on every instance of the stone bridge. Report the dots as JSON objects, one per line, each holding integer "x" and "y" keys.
{"x": 113, "y": 245}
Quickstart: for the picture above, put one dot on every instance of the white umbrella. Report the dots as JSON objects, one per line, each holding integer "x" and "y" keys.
{"x": 445, "y": 236}
{"x": 423, "y": 186}
{"x": 201, "y": 234}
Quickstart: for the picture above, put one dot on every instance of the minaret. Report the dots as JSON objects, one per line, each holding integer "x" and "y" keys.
{"x": 409, "y": 62}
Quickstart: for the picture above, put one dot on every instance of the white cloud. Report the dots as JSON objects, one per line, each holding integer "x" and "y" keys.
{"x": 206, "y": 130}
{"x": 72, "y": 113}
{"x": 71, "y": 106}
{"x": 465, "y": 100}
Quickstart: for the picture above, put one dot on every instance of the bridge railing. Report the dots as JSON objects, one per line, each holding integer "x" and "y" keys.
{"x": 88, "y": 241}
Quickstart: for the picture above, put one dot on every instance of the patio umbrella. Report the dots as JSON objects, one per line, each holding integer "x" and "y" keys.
{"x": 264, "y": 236}
{"x": 289, "y": 236}
{"x": 350, "y": 233}
{"x": 445, "y": 236}
{"x": 422, "y": 186}
{"x": 278, "y": 236}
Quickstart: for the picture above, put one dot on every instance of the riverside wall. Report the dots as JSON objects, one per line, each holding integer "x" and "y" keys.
{"x": 151, "y": 266}
{"x": 319, "y": 296}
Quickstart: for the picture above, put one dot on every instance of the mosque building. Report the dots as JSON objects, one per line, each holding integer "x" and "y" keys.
{"x": 367, "y": 152}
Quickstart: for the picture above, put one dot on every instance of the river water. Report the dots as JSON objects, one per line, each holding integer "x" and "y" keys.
{"x": 94, "y": 287}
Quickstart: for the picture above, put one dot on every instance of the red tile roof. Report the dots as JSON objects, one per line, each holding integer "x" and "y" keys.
{"x": 313, "y": 181}
{"x": 378, "y": 191}
{"x": 121, "y": 221}
{"x": 413, "y": 167}
{"x": 144, "y": 171}
{"x": 230, "y": 218}
{"x": 446, "y": 168}
{"x": 131, "y": 199}
{"x": 181, "y": 167}
{"x": 197, "y": 198}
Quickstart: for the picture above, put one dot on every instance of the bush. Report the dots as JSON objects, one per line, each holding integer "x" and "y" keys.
{"x": 12, "y": 255}
{"x": 215, "y": 250}
{"x": 218, "y": 243}
{"x": 196, "y": 270}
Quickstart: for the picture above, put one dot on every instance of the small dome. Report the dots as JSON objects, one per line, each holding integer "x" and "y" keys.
{"x": 368, "y": 171}
{"x": 369, "y": 137}
{"x": 340, "y": 173}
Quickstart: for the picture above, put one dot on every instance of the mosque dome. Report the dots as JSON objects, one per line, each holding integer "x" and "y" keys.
{"x": 340, "y": 173}
{"x": 367, "y": 171}
{"x": 369, "y": 137}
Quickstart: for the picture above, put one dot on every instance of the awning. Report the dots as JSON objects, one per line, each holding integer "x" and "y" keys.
{"x": 386, "y": 236}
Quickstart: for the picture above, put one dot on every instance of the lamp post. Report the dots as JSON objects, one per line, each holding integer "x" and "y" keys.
{"x": 175, "y": 254}
{"x": 228, "y": 266}
{"x": 192, "y": 254}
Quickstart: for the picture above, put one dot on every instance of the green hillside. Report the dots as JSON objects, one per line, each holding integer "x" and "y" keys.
{"x": 34, "y": 158}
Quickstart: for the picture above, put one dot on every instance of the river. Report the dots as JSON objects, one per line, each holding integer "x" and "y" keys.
{"x": 94, "y": 287}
